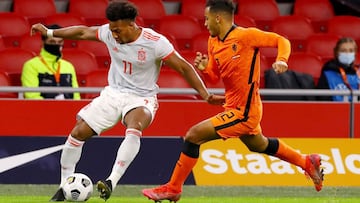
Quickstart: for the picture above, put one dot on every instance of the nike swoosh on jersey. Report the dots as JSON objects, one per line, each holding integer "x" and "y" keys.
{"x": 14, "y": 161}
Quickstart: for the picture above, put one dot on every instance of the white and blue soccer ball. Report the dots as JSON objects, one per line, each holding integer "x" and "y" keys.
{"x": 78, "y": 187}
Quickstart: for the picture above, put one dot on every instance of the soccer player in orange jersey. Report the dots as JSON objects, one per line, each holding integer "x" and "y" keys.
{"x": 233, "y": 56}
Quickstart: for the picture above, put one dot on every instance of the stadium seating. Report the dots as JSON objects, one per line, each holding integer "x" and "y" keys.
{"x": 200, "y": 42}
{"x": 93, "y": 12}
{"x": 264, "y": 65}
{"x": 244, "y": 21}
{"x": 35, "y": 10}
{"x": 270, "y": 53}
{"x": 183, "y": 28}
{"x": 12, "y": 61}
{"x": 262, "y": 11}
{"x": 357, "y": 60}
{"x": 172, "y": 40}
{"x": 171, "y": 79}
{"x": 64, "y": 20}
{"x": 83, "y": 61}
{"x": 306, "y": 63}
{"x": 188, "y": 55}
{"x": 4, "y": 82}
{"x": 99, "y": 49}
{"x": 97, "y": 78}
{"x": 345, "y": 26}
{"x": 31, "y": 43}
{"x": 12, "y": 27}
{"x": 151, "y": 11}
{"x": 322, "y": 44}
{"x": 139, "y": 21}
{"x": 296, "y": 28}
{"x": 195, "y": 9}
{"x": 318, "y": 11}
{"x": 2, "y": 44}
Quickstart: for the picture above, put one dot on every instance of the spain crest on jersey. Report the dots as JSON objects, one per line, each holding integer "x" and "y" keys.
{"x": 141, "y": 56}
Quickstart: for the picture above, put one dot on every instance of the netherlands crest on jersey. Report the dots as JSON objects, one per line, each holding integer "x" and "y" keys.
{"x": 234, "y": 47}
{"x": 141, "y": 56}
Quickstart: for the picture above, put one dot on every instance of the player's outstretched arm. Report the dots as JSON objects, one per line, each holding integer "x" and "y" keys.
{"x": 79, "y": 32}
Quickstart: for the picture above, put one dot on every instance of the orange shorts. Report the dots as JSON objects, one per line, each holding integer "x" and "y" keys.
{"x": 232, "y": 123}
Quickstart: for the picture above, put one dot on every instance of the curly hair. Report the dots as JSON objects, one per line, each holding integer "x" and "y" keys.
{"x": 121, "y": 10}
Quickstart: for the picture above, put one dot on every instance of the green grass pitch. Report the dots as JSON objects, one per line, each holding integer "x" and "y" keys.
{"x": 194, "y": 194}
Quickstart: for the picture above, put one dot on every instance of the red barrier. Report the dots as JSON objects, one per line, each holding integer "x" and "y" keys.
{"x": 57, "y": 118}
{"x": 357, "y": 121}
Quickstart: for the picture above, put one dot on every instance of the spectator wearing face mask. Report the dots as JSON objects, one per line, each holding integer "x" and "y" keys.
{"x": 340, "y": 73}
{"x": 48, "y": 69}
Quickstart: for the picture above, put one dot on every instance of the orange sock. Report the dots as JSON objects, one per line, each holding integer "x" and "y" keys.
{"x": 181, "y": 171}
{"x": 287, "y": 153}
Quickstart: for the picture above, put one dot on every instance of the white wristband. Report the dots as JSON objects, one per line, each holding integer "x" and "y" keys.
{"x": 50, "y": 33}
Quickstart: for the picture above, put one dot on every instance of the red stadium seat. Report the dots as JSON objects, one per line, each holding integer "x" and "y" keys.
{"x": 151, "y": 11}
{"x": 99, "y": 49}
{"x": 171, "y": 79}
{"x": 357, "y": 60}
{"x": 270, "y": 53}
{"x": 322, "y": 44}
{"x": 93, "y": 12}
{"x": 2, "y": 44}
{"x": 188, "y": 55}
{"x": 35, "y": 10}
{"x": 139, "y": 21}
{"x": 97, "y": 78}
{"x": 296, "y": 28}
{"x": 262, "y": 11}
{"x": 172, "y": 40}
{"x": 200, "y": 42}
{"x": 318, "y": 11}
{"x": 195, "y": 9}
{"x": 12, "y": 27}
{"x": 31, "y": 43}
{"x": 64, "y": 20}
{"x": 183, "y": 28}
{"x": 5, "y": 81}
{"x": 264, "y": 65}
{"x": 12, "y": 61}
{"x": 345, "y": 26}
{"x": 83, "y": 61}
{"x": 244, "y": 21}
{"x": 306, "y": 63}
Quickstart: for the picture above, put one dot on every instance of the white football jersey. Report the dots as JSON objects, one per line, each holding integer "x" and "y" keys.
{"x": 135, "y": 66}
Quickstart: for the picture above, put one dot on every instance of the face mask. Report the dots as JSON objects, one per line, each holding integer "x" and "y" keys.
{"x": 346, "y": 58}
{"x": 53, "y": 49}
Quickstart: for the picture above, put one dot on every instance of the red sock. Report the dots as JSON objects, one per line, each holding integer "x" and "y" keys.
{"x": 287, "y": 153}
{"x": 181, "y": 171}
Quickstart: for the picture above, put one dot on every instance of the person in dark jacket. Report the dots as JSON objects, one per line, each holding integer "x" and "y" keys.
{"x": 341, "y": 72}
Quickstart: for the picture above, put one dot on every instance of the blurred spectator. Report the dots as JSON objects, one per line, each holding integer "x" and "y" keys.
{"x": 340, "y": 72}
{"x": 49, "y": 69}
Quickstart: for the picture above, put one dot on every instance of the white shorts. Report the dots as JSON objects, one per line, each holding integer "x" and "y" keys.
{"x": 111, "y": 106}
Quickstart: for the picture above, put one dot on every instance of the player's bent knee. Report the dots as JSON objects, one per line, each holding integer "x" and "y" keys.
{"x": 82, "y": 131}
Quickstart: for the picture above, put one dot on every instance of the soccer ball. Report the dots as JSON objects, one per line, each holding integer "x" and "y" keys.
{"x": 78, "y": 187}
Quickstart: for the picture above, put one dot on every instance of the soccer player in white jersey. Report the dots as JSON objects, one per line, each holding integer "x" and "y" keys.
{"x": 136, "y": 56}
